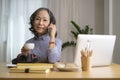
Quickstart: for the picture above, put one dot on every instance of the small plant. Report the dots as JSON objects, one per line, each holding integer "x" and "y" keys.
{"x": 85, "y": 30}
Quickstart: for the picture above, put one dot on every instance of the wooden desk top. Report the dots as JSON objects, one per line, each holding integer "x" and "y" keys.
{"x": 98, "y": 73}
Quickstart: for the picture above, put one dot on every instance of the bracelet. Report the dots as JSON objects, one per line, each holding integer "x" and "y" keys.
{"x": 51, "y": 42}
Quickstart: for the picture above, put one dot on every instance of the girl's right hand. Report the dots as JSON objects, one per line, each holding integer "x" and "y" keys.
{"x": 24, "y": 51}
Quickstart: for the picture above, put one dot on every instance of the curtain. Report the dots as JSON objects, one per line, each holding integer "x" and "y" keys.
{"x": 14, "y": 28}
{"x": 80, "y": 11}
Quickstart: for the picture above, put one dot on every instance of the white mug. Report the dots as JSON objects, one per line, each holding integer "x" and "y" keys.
{"x": 29, "y": 46}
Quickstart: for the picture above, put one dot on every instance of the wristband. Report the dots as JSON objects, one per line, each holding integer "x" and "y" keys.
{"x": 51, "y": 42}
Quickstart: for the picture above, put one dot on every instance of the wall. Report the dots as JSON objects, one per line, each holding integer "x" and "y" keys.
{"x": 116, "y": 29}
{"x": 106, "y": 16}
{"x": 112, "y": 24}
{"x": 99, "y": 16}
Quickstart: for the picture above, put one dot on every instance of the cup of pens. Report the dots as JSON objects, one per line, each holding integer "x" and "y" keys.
{"x": 86, "y": 60}
{"x": 86, "y": 55}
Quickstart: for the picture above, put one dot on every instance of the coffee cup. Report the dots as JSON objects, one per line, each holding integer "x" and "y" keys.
{"x": 29, "y": 46}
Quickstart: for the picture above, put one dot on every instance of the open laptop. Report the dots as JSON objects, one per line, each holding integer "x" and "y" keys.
{"x": 102, "y": 46}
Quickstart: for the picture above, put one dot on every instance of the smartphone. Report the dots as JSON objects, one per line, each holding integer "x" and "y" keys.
{"x": 49, "y": 29}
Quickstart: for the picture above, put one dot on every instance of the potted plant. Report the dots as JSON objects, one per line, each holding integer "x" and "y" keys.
{"x": 79, "y": 30}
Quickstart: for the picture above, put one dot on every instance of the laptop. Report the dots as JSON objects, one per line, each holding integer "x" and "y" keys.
{"x": 102, "y": 46}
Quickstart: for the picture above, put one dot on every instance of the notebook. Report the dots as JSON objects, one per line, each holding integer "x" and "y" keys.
{"x": 102, "y": 46}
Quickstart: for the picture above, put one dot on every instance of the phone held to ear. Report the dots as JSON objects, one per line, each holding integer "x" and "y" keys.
{"x": 49, "y": 30}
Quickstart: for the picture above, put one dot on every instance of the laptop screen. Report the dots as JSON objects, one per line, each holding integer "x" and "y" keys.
{"x": 102, "y": 46}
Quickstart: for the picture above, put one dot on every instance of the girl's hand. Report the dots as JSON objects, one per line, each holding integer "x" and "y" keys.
{"x": 52, "y": 30}
{"x": 24, "y": 51}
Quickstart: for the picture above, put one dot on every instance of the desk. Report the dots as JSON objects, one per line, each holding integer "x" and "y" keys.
{"x": 98, "y": 73}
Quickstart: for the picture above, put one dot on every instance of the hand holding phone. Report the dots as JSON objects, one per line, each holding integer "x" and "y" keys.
{"x": 52, "y": 30}
{"x": 49, "y": 30}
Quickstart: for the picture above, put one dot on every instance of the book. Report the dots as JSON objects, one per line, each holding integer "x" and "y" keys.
{"x": 11, "y": 65}
{"x": 29, "y": 70}
{"x": 34, "y": 65}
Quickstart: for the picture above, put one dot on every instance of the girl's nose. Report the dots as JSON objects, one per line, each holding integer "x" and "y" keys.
{"x": 40, "y": 22}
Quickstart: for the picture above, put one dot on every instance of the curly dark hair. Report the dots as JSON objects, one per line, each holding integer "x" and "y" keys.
{"x": 32, "y": 18}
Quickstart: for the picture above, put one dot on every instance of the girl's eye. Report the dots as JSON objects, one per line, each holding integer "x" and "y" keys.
{"x": 37, "y": 19}
{"x": 45, "y": 20}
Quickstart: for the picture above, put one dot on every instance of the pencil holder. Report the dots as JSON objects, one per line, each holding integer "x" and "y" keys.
{"x": 86, "y": 60}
